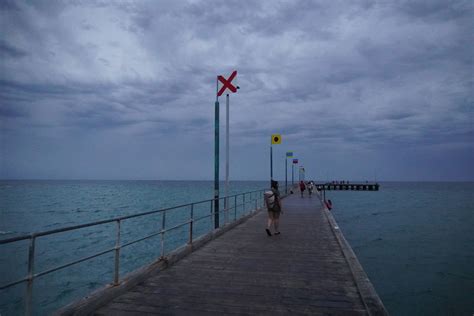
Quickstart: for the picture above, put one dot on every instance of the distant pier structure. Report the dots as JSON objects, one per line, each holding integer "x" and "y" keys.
{"x": 345, "y": 186}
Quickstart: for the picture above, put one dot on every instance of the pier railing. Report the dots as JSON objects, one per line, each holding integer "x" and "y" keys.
{"x": 233, "y": 203}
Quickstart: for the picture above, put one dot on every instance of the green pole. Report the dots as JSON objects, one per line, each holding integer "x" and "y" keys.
{"x": 216, "y": 158}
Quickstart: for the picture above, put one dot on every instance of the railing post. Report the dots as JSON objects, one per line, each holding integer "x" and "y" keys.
{"x": 244, "y": 203}
{"x": 117, "y": 256}
{"x": 212, "y": 213}
{"x": 235, "y": 207}
{"x": 162, "y": 233}
{"x": 31, "y": 265}
{"x": 191, "y": 222}
{"x": 226, "y": 210}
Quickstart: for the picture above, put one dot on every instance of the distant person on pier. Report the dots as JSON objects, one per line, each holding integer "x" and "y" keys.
{"x": 273, "y": 202}
{"x": 310, "y": 188}
{"x": 302, "y": 187}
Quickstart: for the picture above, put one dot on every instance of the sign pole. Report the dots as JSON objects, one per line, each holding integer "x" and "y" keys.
{"x": 226, "y": 201}
{"x": 271, "y": 162}
{"x": 276, "y": 139}
{"x": 216, "y": 161}
{"x": 292, "y": 172}
{"x": 226, "y": 84}
{"x": 286, "y": 175}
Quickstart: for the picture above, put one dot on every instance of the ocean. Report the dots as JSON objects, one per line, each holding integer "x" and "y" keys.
{"x": 34, "y": 206}
{"x": 414, "y": 240}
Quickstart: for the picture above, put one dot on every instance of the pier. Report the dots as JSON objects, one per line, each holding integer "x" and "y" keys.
{"x": 309, "y": 269}
{"x": 348, "y": 186}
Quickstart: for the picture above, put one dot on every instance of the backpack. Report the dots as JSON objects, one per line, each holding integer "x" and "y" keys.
{"x": 269, "y": 198}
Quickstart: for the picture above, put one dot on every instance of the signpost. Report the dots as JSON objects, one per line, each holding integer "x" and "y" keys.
{"x": 227, "y": 87}
{"x": 216, "y": 160}
{"x": 227, "y": 84}
{"x": 289, "y": 154}
{"x": 301, "y": 173}
{"x": 226, "y": 200}
{"x": 295, "y": 161}
{"x": 276, "y": 140}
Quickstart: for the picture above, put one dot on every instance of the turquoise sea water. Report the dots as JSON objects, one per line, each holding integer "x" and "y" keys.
{"x": 415, "y": 240}
{"x": 33, "y": 206}
{"x": 416, "y": 243}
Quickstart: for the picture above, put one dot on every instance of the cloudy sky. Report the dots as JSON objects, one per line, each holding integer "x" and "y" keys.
{"x": 126, "y": 90}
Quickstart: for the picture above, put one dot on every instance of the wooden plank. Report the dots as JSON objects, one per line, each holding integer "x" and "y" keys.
{"x": 303, "y": 271}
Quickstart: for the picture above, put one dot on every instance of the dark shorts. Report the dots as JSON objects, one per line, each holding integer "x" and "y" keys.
{"x": 273, "y": 214}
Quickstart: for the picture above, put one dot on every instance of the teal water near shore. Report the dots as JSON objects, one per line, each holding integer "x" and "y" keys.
{"x": 416, "y": 243}
{"x": 414, "y": 240}
{"x": 33, "y": 206}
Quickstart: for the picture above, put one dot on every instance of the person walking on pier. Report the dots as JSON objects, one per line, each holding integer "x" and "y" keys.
{"x": 310, "y": 188}
{"x": 273, "y": 202}
{"x": 302, "y": 187}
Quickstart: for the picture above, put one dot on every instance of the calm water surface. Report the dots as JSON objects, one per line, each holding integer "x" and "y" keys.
{"x": 415, "y": 240}
{"x": 416, "y": 243}
{"x": 32, "y": 206}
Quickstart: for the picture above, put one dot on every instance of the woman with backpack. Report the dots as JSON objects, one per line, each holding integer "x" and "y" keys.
{"x": 273, "y": 202}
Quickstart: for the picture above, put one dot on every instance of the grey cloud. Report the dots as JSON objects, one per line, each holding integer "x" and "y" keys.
{"x": 398, "y": 116}
{"x": 7, "y": 50}
{"x": 436, "y": 9}
{"x": 66, "y": 88}
{"x": 401, "y": 109}
{"x": 371, "y": 75}
{"x": 8, "y": 5}
{"x": 96, "y": 106}
{"x": 12, "y": 110}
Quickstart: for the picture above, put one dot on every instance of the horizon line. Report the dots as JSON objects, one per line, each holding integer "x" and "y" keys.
{"x": 220, "y": 180}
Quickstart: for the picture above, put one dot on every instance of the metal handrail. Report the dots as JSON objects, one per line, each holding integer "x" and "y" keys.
{"x": 65, "y": 229}
{"x": 258, "y": 197}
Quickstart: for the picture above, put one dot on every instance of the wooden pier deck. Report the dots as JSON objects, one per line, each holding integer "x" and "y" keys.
{"x": 307, "y": 270}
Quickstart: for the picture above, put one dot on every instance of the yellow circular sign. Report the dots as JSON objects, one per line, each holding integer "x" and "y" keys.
{"x": 276, "y": 139}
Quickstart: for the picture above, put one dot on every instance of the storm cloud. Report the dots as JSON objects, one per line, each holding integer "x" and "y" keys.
{"x": 126, "y": 90}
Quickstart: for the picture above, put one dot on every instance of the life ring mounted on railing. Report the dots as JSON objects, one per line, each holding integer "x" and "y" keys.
{"x": 328, "y": 204}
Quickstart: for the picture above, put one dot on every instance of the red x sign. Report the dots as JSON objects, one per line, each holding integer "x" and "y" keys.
{"x": 227, "y": 83}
